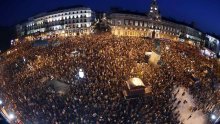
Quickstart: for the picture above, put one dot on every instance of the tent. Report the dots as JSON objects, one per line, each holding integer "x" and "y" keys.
{"x": 154, "y": 58}
{"x": 135, "y": 83}
{"x": 39, "y": 43}
{"x": 136, "y": 88}
{"x": 59, "y": 86}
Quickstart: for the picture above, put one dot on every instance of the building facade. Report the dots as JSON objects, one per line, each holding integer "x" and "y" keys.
{"x": 151, "y": 25}
{"x": 72, "y": 21}
{"x": 81, "y": 20}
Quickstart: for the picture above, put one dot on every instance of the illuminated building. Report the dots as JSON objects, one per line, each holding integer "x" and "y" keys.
{"x": 137, "y": 24}
{"x": 80, "y": 20}
{"x": 126, "y": 23}
{"x": 73, "y": 21}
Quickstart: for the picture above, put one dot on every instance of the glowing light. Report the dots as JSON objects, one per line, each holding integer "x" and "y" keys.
{"x": 1, "y": 102}
{"x": 24, "y": 59}
{"x": 12, "y": 42}
{"x": 11, "y": 116}
{"x": 137, "y": 81}
{"x": 81, "y": 73}
{"x": 213, "y": 117}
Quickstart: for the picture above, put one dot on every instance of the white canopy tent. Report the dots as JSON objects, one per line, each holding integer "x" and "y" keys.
{"x": 133, "y": 83}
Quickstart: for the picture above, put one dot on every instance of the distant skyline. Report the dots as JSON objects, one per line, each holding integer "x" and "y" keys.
{"x": 205, "y": 13}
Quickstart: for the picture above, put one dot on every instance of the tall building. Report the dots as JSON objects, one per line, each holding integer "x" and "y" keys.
{"x": 144, "y": 25}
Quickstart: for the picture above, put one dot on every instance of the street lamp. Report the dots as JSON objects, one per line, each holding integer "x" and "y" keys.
{"x": 213, "y": 117}
{"x": 11, "y": 116}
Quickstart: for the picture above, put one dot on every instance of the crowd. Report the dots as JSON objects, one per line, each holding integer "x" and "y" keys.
{"x": 108, "y": 62}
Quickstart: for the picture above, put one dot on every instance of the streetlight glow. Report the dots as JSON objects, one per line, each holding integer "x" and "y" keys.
{"x": 213, "y": 117}
{"x": 11, "y": 116}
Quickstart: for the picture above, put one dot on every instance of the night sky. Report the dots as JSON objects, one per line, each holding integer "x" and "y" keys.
{"x": 205, "y": 13}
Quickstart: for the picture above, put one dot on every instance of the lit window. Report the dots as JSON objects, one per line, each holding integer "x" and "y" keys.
{"x": 145, "y": 24}
{"x": 141, "y": 24}
{"x": 119, "y": 22}
{"x": 136, "y": 23}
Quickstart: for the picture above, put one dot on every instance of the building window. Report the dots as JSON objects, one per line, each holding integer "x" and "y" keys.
{"x": 131, "y": 22}
{"x": 136, "y": 23}
{"x": 141, "y": 23}
{"x": 119, "y": 22}
{"x": 126, "y": 22}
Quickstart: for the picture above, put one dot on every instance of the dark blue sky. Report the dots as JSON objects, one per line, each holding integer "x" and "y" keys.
{"x": 205, "y": 13}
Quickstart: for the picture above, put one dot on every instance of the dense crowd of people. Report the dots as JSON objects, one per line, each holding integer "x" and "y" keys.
{"x": 108, "y": 62}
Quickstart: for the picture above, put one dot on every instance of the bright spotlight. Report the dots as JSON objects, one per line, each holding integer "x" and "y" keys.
{"x": 11, "y": 116}
{"x": 1, "y": 102}
{"x": 213, "y": 117}
{"x": 81, "y": 73}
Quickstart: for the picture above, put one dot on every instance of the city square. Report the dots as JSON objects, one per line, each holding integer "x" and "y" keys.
{"x": 75, "y": 65}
